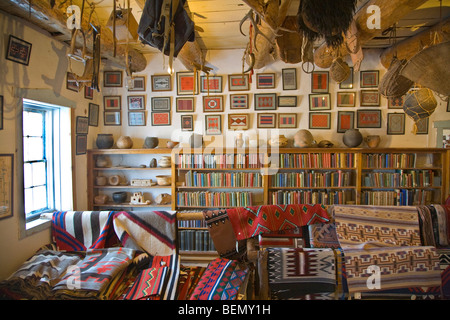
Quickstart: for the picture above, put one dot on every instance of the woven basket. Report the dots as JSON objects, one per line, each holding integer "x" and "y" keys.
{"x": 393, "y": 84}
{"x": 339, "y": 70}
{"x": 419, "y": 104}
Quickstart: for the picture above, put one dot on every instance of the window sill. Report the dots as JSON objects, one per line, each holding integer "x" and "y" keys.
{"x": 36, "y": 226}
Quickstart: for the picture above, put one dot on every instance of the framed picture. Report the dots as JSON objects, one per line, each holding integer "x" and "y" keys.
{"x": 287, "y": 101}
{"x": 185, "y": 104}
{"x": 369, "y": 79}
{"x": 112, "y": 78}
{"x": 161, "y": 119}
{"x": 82, "y": 126}
{"x": 289, "y": 77}
{"x": 136, "y": 102}
{"x": 212, "y": 103}
{"x": 238, "y": 82}
{"x": 136, "y": 118}
{"x": 112, "y": 118}
{"x": 161, "y": 104}
{"x": 18, "y": 50}
{"x": 162, "y": 82}
{"x": 319, "y": 81}
{"x": 211, "y": 84}
{"x": 137, "y": 83}
{"x": 81, "y": 144}
{"x": 265, "y": 101}
{"x": 319, "y": 120}
{"x": 239, "y": 101}
{"x": 187, "y": 122}
{"x": 213, "y": 124}
{"x": 345, "y": 99}
{"x": 1, "y": 112}
{"x": 267, "y": 120}
{"x": 345, "y": 121}
{"x": 187, "y": 83}
{"x": 347, "y": 83}
{"x": 319, "y": 102}
{"x": 396, "y": 103}
{"x": 370, "y": 98}
{"x": 448, "y": 105}
{"x": 112, "y": 103}
{"x": 93, "y": 114}
{"x": 265, "y": 80}
{"x": 368, "y": 118}
{"x": 7, "y": 186}
{"x": 395, "y": 123}
{"x": 71, "y": 82}
{"x": 88, "y": 93}
{"x": 287, "y": 120}
{"x": 422, "y": 126}
{"x": 238, "y": 121}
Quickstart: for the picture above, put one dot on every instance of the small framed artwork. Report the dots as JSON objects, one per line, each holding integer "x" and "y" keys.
{"x": 448, "y": 105}
{"x": 1, "y": 112}
{"x": 267, "y": 120}
{"x": 287, "y": 120}
{"x": 112, "y": 103}
{"x": 319, "y": 120}
{"x": 289, "y": 77}
{"x": 81, "y": 144}
{"x": 112, "y": 118}
{"x": 212, "y": 103}
{"x": 370, "y": 98}
{"x": 347, "y": 83}
{"x": 7, "y": 185}
{"x": 319, "y": 81}
{"x": 136, "y": 102}
{"x": 161, "y": 104}
{"x": 265, "y": 80}
{"x": 71, "y": 82}
{"x": 82, "y": 126}
{"x": 345, "y": 121}
{"x": 137, "y": 84}
{"x": 136, "y": 118}
{"x": 395, "y": 123}
{"x": 93, "y": 114}
{"x": 211, "y": 84}
{"x": 18, "y": 50}
{"x": 187, "y": 83}
{"x": 238, "y": 121}
{"x": 368, "y": 118}
{"x": 112, "y": 78}
{"x": 185, "y": 104}
{"x": 187, "y": 122}
{"x": 369, "y": 79}
{"x": 346, "y": 99}
{"x": 395, "y": 103}
{"x": 161, "y": 82}
{"x": 213, "y": 124}
{"x": 319, "y": 102}
{"x": 238, "y": 82}
{"x": 239, "y": 101}
{"x": 161, "y": 119}
{"x": 287, "y": 101}
{"x": 422, "y": 126}
{"x": 265, "y": 101}
{"x": 88, "y": 93}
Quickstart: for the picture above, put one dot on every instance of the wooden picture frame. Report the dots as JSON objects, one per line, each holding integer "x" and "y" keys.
{"x": 136, "y": 102}
{"x": 18, "y": 50}
{"x": 289, "y": 78}
{"x": 266, "y": 120}
{"x": 161, "y": 119}
{"x": 81, "y": 144}
{"x": 345, "y": 121}
{"x": 136, "y": 118}
{"x": 88, "y": 92}
{"x": 238, "y": 82}
{"x": 185, "y": 104}
{"x": 161, "y": 82}
{"x": 215, "y": 84}
{"x": 265, "y": 80}
{"x": 347, "y": 83}
{"x": 213, "y": 103}
{"x": 71, "y": 83}
{"x": 345, "y": 99}
{"x": 112, "y": 118}
{"x": 395, "y": 123}
{"x": 238, "y": 121}
{"x": 7, "y": 175}
{"x": 161, "y": 104}
{"x": 187, "y": 83}
{"x": 137, "y": 83}
{"x": 112, "y": 78}
{"x": 396, "y": 103}
{"x": 287, "y": 101}
{"x": 112, "y": 103}
{"x": 422, "y": 126}
{"x": 213, "y": 124}
{"x": 369, "y": 78}
{"x": 367, "y": 118}
{"x": 448, "y": 105}
{"x": 187, "y": 122}
{"x": 287, "y": 120}
{"x": 319, "y": 101}
{"x": 320, "y": 120}
{"x": 320, "y": 81}
{"x": 94, "y": 110}
{"x": 82, "y": 125}
{"x": 370, "y": 98}
{"x": 265, "y": 101}
{"x": 239, "y": 101}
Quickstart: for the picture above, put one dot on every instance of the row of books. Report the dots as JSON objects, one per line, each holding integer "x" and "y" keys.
{"x": 398, "y": 197}
{"x": 325, "y": 197}
{"x": 222, "y": 179}
{"x": 312, "y": 179}
{"x": 402, "y": 178}
{"x": 220, "y": 161}
{"x": 191, "y": 224}
{"x": 389, "y": 160}
{"x": 317, "y": 160}
{"x": 195, "y": 240}
{"x": 214, "y": 199}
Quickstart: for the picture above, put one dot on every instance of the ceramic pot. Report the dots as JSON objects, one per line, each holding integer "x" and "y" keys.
{"x": 151, "y": 142}
{"x": 303, "y": 139}
{"x": 165, "y": 162}
{"x": 163, "y": 180}
{"x": 280, "y": 141}
{"x": 163, "y": 199}
{"x": 119, "y": 197}
{"x": 124, "y": 142}
{"x": 352, "y": 138}
{"x": 101, "y": 199}
{"x": 114, "y": 180}
{"x": 100, "y": 180}
{"x": 104, "y": 141}
{"x": 372, "y": 141}
{"x": 153, "y": 163}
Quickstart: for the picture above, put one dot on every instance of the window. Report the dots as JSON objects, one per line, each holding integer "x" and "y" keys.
{"x": 47, "y": 175}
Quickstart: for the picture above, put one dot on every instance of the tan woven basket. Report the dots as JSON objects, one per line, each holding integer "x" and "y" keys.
{"x": 339, "y": 70}
{"x": 420, "y": 104}
{"x": 393, "y": 84}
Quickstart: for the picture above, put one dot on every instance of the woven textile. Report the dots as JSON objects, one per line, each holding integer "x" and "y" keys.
{"x": 291, "y": 238}
{"x": 189, "y": 277}
{"x": 440, "y": 228}
{"x": 444, "y": 261}
{"x": 294, "y": 273}
{"x": 323, "y": 236}
{"x": 82, "y": 230}
{"x": 148, "y": 285}
{"x": 426, "y": 225}
{"x": 248, "y": 222}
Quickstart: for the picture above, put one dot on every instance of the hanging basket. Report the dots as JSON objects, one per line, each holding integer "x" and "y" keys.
{"x": 419, "y": 104}
{"x": 339, "y": 70}
{"x": 393, "y": 84}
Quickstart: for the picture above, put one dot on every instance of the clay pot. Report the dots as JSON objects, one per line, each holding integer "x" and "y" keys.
{"x": 163, "y": 180}
{"x": 114, "y": 180}
{"x": 101, "y": 199}
{"x": 372, "y": 141}
{"x": 165, "y": 162}
{"x": 280, "y": 141}
{"x": 104, "y": 141}
{"x": 163, "y": 199}
{"x": 119, "y": 197}
{"x": 151, "y": 142}
{"x": 303, "y": 139}
{"x": 100, "y": 180}
{"x": 172, "y": 144}
{"x": 153, "y": 163}
{"x": 325, "y": 144}
{"x": 352, "y": 138}
{"x": 124, "y": 142}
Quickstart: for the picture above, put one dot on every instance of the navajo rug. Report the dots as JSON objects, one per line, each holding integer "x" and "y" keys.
{"x": 440, "y": 228}
{"x": 426, "y": 226}
{"x": 248, "y": 222}
{"x": 444, "y": 261}
{"x": 323, "y": 235}
{"x": 291, "y": 238}
{"x": 148, "y": 285}
{"x": 188, "y": 280}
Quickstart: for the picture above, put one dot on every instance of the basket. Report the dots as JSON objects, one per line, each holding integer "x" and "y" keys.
{"x": 393, "y": 84}
{"x": 419, "y": 104}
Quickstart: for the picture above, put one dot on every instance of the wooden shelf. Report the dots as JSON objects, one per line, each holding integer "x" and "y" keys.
{"x": 310, "y": 188}
{"x": 132, "y": 187}
{"x": 129, "y": 168}
{"x": 129, "y": 205}
{"x": 131, "y": 151}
